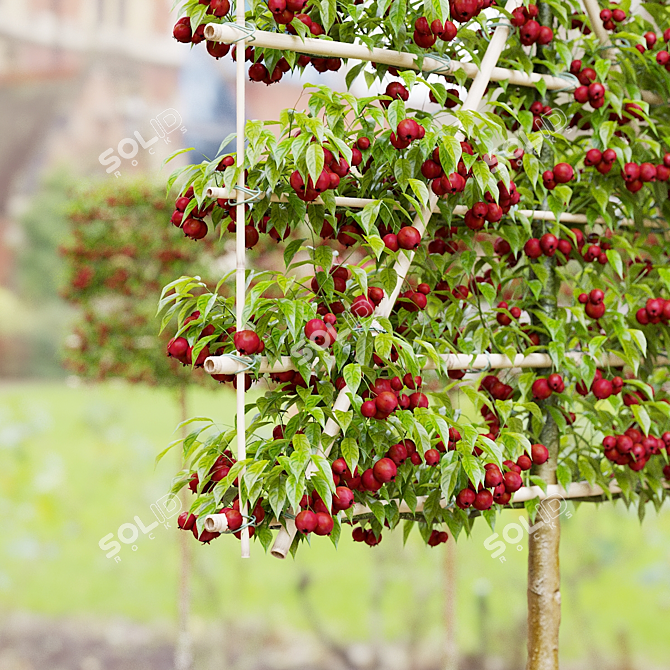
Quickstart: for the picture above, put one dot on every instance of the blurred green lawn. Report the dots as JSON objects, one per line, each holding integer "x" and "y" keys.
{"x": 76, "y": 463}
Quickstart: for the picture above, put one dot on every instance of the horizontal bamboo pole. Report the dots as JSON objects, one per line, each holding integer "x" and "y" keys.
{"x": 216, "y": 523}
{"x": 331, "y": 49}
{"x": 359, "y": 203}
{"x": 575, "y": 491}
{"x": 225, "y": 365}
{"x": 328, "y": 48}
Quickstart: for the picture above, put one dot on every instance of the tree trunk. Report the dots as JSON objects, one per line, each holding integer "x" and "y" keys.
{"x": 450, "y": 650}
{"x": 183, "y": 655}
{"x": 544, "y": 594}
{"x": 544, "y": 581}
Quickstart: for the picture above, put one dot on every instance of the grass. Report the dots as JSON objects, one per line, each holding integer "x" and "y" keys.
{"x": 77, "y": 463}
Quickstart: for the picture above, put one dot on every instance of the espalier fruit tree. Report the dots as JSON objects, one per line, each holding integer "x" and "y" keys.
{"x": 119, "y": 256}
{"x": 491, "y": 227}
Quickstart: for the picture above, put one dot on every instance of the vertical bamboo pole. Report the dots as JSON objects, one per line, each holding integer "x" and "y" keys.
{"x": 240, "y": 274}
{"x": 183, "y": 657}
{"x": 544, "y": 579}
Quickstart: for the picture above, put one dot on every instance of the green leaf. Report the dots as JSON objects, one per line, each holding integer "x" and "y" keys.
{"x": 642, "y": 417}
{"x": 314, "y": 159}
{"x": 352, "y": 376}
{"x": 615, "y": 261}
{"x": 448, "y": 477}
{"x": 350, "y": 452}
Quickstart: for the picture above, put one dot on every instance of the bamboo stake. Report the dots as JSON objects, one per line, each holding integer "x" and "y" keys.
{"x": 240, "y": 274}
{"x": 224, "y": 365}
{"x": 459, "y": 210}
{"x": 317, "y": 47}
{"x": 555, "y": 492}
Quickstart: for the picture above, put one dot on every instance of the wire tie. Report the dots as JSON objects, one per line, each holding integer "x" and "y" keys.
{"x": 255, "y": 193}
{"x": 249, "y": 30}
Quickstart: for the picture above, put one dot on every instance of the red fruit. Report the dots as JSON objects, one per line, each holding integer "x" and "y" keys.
{"x": 512, "y": 481}
{"x": 581, "y": 94}
{"x": 539, "y": 453}
{"x": 593, "y": 157}
{"x": 391, "y": 242}
{"x": 397, "y": 453}
{"x": 418, "y": 400}
{"x": 324, "y": 524}
{"x": 306, "y": 521}
{"x": 195, "y": 229}
{"x": 358, "y": 534}
{"x": 493, "y": 476}
{"x": 647, "y": 172}
{"x": 465, "y": 498}
{"x": 596, "y": 93}
{"x": 464, "y": 10}
{"x": 362, "y": 307}
{"x": 548, "y": 244}
{"x": 546, "y": 35}
{"x": 182, "y": 30}
{"x": 177, "y": 347}
{"x": 529, "y": 32}
{"x": 369, "y": 409}
{"x": 595, "y": 311}
{"x": 385, "y": 470}
{"x": 532, "y": 248}
{"x": 556, "y": 383}
{"x": 483, "y": 500}
{"x": 563, "y": 173}
{"x": 541, "y": 389}
{"x": 518, "y": 17}
{"x": 596, "y": 296}
{"x": 524, "y": 462}
{"x": 432, "y": 457}
{"x": 363, "y": 143}
{"x": 186, "y": 521}
{"x": 408, "y": 130}
{"x": 494, "y": 213}
{"x": 409, "y": 238}
{"x": 343, "y": 498}
{"x": 258, "y": 72}
{"x": 246, "y": 342}
{"x": 386, "y": 402}
{"x": 396, "y": 91}
{"x": 618, "y": 15}
{"x": 449, "y": 31}
{"x": 369, "y": 482}
{"x": 630, "y": 172}
{"x": 431, "y": 169}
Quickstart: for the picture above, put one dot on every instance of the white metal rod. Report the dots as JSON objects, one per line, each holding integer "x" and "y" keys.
{"x": 240, "y": 274}
{"x": 317, "y": 47}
